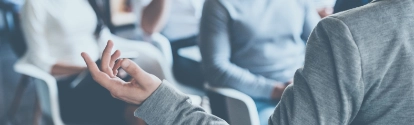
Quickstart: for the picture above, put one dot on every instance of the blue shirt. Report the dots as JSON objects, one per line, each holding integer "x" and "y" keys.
{"x": 253, "y": 45}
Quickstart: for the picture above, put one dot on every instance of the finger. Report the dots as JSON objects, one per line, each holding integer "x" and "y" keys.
{"x": 114, "y": 57}
{"x": 115, "y": 73}
{"x": 106, "y": 58}
{"x": 133, "y": 70}
{"x": 93, "y": 68}
{"x": 116, "y": 67}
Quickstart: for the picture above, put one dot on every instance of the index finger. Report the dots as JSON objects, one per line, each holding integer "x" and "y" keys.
{"x": 93, "y": 68}
{"x": 97, "y": 75}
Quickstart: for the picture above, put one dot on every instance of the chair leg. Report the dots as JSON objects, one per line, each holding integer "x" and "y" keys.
{"x": 37, "y": 113}
{"x": 18, "y": 96}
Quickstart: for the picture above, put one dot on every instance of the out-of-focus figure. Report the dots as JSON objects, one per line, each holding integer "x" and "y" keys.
{"x": 178, "y": 20}
{"x": 56, "y": 32}
{"x": 255, "y": 46}
{"x": 324, "y": 7}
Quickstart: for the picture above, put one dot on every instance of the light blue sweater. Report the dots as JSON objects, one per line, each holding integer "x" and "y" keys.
{"x": 250, "y": 45}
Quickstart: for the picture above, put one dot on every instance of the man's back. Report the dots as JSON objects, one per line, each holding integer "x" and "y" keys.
{"x": 384, "y": 34}
{"x": 359, "y": 69}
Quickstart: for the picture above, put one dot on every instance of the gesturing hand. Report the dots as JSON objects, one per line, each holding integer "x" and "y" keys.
{"x": 136, "y": 91}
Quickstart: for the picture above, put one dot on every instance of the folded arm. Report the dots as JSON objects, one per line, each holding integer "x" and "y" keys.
{"x": 154, "y": 16}
{"x": 216, "y": 52}
{"x": 34, "y": 18}
{"x": 33, "y": 23}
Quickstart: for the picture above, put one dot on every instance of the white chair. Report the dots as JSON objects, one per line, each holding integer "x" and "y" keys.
{"x": 47, "y": 88}
{"x": 229, "y": 104}
{"x": 162, "y": 67}
{"x": 164, "y": 45}
{"x": 233, "y": 106}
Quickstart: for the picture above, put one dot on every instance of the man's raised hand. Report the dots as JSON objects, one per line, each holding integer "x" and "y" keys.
{"x": 141, "y": 86}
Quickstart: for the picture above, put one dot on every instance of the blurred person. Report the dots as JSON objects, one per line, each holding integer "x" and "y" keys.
{"x": 324, "y": 7}
{"x": 56, "y": 31}
{"x": 357, "y": 71}
{"x": 178, "y": 20}
{"x": 255, "y": 46}
{"x": 342, "y": 5}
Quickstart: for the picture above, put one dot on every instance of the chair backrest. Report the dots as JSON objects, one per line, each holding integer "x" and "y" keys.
{"x": 17, "y": 40}
{"x": 46, "y": 90}
{"x": 233, "y": 106}
{"x": 3, "y": 21}
{"x": 152, "y": 60}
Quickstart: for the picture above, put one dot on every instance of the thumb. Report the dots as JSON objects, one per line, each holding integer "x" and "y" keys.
{"x": 133, "y": 69}
{"x": 143, "y": 78}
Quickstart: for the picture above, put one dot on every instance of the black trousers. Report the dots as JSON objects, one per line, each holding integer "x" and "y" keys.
{"x": 186, "y": 70}
{"x": 89, "y": 103}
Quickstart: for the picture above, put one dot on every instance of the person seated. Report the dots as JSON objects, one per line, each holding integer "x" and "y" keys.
{"x": 324, "y": 7}
{"x": 56, "y": 31}
{"x": 357, "y": 71}
{"x": 178, "y": 21}
{"x": 255, "y": 46}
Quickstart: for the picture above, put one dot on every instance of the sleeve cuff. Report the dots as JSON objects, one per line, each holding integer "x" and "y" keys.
{"x": 161, "y": 104}
{"x": 48, "y": 65}
{"x": 268, "y": 88}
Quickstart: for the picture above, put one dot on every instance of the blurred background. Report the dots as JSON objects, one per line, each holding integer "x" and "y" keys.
{"x": 41, "y": 40}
